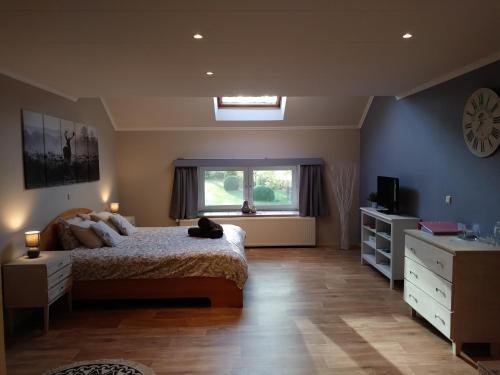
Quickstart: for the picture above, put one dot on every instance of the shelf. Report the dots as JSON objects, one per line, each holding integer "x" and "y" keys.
{"x": 384, "y": 268}
{"x": 369, "y": 228}
{"x": 370, "y": 258}
{"x": 385, "y": 236}
{"x": 387, "y": 255}
{"x": 370, "y": 244}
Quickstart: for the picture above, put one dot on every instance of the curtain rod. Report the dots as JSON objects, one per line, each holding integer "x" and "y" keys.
{"x": 246, "y": 162}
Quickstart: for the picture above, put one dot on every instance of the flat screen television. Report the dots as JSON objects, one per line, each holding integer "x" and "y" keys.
{"x": 388, "y": 194}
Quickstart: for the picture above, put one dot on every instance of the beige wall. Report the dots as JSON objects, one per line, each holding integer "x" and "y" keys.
{"x": 22, "y": 209}
{"x": 145, "y": 169}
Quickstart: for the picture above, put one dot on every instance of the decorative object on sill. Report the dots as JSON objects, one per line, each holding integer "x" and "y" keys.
{"x": 342, "y": 179}
{"x": 114, "y": 207}
{"x": 253, "y": 210}
{"x": 372, "y": 198}
{"x": 102, "y": 366}
{"x": 58, "y": 152}
{"x": 32, "y": 240}
{"x": 246, "y": 208}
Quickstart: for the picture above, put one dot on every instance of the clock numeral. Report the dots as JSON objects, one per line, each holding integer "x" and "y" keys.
{"x": 468, "y": 125}
{"x": 493, "y": 109}
{"x": 482, "y": 146}
{"x": 474, "y": 105}
{"x": 475, "y": 143}
{"x": 491, "y": 143}
{"x": 495, "y": 133}
{"x": 469, "y": 113}
{"x": 481, "y": 100}
{"x": 496, "y": 119}
{"x": 470, "y": 136}
{"x": 487, "y": 101}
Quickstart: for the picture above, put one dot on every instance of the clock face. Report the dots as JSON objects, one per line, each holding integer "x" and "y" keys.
{"x": 481, "y": 122}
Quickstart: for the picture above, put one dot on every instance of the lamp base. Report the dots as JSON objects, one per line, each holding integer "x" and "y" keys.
{"x": 33, "y": 253}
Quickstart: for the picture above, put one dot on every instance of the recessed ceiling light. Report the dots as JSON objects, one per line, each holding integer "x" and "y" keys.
{"x": 197, "y": 36}
{"x": 209, "y": 73}
{"x": 407, "y": 36}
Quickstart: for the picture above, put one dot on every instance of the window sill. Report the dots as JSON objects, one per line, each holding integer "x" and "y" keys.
{"x": 240, "y": 214}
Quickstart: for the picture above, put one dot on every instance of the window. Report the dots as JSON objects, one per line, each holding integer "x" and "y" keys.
{"x": 249, "y": 101}
{"x": 268, "y": 188}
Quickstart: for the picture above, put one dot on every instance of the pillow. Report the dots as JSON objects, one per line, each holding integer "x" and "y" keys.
{"x": 66, "y": 238}
{"x": 104, "y": 216}
{"x": 85, "y": 216}
{"x": 107, "y": 235}
{"x": 86, "y": 235}
{"x": 123, "y": 225}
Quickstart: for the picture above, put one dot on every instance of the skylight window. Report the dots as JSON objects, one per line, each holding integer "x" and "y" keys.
{"x": 249, "y": 101}
{"x": 249, "y": 108}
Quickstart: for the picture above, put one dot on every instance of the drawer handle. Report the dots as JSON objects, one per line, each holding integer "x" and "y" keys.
{"x": 439, "y": 318}
{"x": 441, "y": 291}
{"x": 439, "y": 263}
{"x": 412, "y": 296}
{"x": 414, "y": 274}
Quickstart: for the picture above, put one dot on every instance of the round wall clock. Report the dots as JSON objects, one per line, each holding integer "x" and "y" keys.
{"x": 481, "y": 122}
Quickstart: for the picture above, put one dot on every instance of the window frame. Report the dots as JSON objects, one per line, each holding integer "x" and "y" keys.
{"x": 248, "y": 188}
{"x": 220, "y": 104}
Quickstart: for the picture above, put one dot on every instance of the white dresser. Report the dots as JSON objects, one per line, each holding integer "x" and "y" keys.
{"x": 37, "y": 282}
{"x": 455, "y": 285}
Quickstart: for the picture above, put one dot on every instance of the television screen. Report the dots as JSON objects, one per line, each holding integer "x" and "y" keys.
{"x": 388, "y": 194}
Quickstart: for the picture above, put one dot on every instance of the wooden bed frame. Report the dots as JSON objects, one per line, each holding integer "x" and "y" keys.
{"x": 220, "y": 291}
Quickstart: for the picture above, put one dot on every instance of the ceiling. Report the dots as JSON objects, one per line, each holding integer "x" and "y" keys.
{"x": 141, "y": 57}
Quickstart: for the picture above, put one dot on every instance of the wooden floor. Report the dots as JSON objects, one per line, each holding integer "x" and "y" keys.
{"x": 307, "y": 311}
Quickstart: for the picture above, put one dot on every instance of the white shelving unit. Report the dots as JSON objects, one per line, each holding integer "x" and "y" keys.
{"x": 382, "y": 241}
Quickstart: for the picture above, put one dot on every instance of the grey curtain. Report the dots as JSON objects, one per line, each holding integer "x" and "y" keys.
{"x": 312, "y": 196}
{"x": 184, "y": 201}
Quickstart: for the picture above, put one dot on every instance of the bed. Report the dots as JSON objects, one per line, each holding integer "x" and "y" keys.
{"x": 157, "y": 263}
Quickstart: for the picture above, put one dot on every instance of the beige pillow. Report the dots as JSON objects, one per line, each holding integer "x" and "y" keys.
{"x": 86, "y": 235}
{"x": 123, "y": 225}
{"x": 104, "y": 216}
{"x": 85, "y": 216}
{"x": 66, "y": 238}
{"x": 107, "y": 235}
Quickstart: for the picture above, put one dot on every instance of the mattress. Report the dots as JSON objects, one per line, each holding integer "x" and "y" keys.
{"x": 155, "y": 253}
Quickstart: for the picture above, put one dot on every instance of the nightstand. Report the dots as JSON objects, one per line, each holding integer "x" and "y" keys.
{"x": 37, "y": 283}
{"x": 130, "y": 219}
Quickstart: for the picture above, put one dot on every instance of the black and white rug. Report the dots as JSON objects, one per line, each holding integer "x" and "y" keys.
{"x": 102, "y": 367}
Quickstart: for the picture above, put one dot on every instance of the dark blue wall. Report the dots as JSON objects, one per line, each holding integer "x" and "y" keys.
{"x": 419, "y": 139}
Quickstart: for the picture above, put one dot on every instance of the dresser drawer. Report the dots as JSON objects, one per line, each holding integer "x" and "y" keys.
{"x": 57, "y": 290}
{"x": 59, "y": 276}
{"x": 426, "y": 306}
{"x": 431, "y": 257}
{"x": 57, "y": 264}
{"x": 434, "y": 285}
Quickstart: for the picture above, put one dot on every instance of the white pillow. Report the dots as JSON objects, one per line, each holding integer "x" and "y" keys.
{"x": 124, "y": 226}
{"x": 106, "y": 234}
{"x": 104, "y": 216}
{"x": 86, "y": 235}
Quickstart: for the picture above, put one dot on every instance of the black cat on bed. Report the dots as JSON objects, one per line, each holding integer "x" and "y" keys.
{"x": 206, "y": 229}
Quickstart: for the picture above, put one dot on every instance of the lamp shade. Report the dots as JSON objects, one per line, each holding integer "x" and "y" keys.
{"x": 32, "y": 238}
{"x": 114, "y": 207}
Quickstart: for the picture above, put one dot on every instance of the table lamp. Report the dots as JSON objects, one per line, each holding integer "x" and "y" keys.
{"x": 32, "y": 240}
{"x": 114, "y": 207}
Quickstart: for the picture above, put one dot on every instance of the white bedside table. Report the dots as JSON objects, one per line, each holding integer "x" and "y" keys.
{"x": 37, "y": 283}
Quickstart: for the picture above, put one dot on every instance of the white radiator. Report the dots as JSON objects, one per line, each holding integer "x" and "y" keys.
{"x": 271, "y": 231}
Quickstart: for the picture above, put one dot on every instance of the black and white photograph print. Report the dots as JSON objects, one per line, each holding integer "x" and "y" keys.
{"x": 33, "y": 150}
{"x": 58, "y": 151}
{"x": 68, "y": 136}
{"x": 93, "y": 145}
{"x": 54, "y": 173}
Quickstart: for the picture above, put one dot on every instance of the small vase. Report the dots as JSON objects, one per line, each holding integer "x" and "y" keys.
{"x": 374, "y": 204}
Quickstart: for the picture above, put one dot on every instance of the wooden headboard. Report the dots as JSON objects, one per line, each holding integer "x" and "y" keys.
{"x": 48, "y": 236}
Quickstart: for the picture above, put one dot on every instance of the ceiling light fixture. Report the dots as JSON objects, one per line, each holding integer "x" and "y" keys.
{"x": 197, "y": 36}
{"x": 407, "y": 36}
{"x": 209, "y": 73}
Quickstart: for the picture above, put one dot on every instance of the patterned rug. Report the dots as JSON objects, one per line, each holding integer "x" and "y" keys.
{"x": 102, "y": 367}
